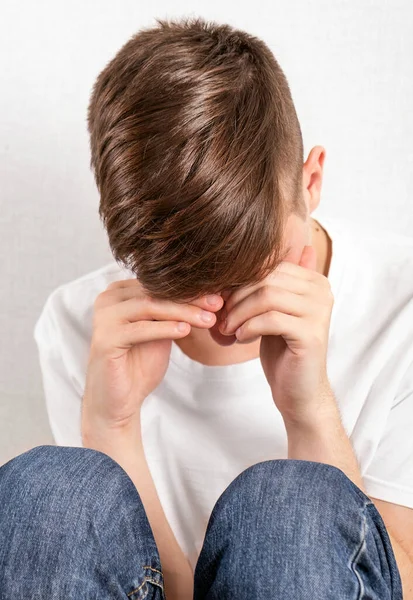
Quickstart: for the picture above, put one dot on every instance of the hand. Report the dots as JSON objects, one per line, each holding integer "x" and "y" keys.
{"x": 130, "y": 350}
{"x": 291, "y": 309}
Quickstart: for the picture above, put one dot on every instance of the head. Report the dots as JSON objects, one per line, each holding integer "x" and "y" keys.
{"x": 197, "y": 154}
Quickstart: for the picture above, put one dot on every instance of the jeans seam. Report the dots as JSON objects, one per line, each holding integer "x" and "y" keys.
{"x": 354, "y": 558}
{"x": 391, "y": 562}
{"x": 148, "y": 579}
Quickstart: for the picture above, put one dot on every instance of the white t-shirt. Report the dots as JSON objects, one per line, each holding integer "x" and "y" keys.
{"x": 204, "y": 425}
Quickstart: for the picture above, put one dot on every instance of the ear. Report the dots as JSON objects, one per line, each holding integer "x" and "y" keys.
{"x": 313, "y": 177}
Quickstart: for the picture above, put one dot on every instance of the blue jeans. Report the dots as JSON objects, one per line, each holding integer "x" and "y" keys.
{"x": 72, "y": 527}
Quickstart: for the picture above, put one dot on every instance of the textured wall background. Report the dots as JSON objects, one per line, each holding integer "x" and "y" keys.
{"x": 349, "y": 64}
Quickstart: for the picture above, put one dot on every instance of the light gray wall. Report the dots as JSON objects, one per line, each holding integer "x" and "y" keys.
{"x": 349, "y": 64}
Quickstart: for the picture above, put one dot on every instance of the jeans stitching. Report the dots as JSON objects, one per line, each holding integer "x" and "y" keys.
{"x": 136, "y": 590}
{"x": 353, "y": 560}
{"x": 395, "y": 578}
{"x": 152, "y": 569}
{"x": 147, "y": 580}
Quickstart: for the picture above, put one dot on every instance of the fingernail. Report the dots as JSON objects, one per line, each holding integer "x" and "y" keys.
{"x": 206, "y": 316}
{"x": 212, "y": 300}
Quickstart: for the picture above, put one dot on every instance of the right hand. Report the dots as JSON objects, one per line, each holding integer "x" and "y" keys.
{"x": 130, "y": 349}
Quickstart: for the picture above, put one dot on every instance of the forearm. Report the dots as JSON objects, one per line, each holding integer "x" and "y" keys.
{"x": 127, "y": 450}
{"x": 405, "y": 566}
{"x": 324, "y": 440}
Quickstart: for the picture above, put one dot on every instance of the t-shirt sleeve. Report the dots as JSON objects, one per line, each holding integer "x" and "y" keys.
{"x": 63, "y": 394}
{"x": 389, "y": 476}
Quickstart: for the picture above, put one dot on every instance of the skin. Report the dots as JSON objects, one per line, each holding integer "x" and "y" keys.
{"x": 327, "y": 442}
{"x": 290, "y": 323}
{"x": 211, "y": 346}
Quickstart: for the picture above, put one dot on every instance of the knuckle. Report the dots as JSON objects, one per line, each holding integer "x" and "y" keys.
{"x": 97, "y": 319}
{"x": 98, "y": 302}
{"x": 102, "y": 299}
{"x": 103, "y": 316}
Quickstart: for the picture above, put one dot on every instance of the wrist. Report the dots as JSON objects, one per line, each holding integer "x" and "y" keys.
{"x": 314, "y": 415}
{"x": 96, "y": 431}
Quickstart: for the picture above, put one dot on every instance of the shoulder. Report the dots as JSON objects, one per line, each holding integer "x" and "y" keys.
{"x": 387, "y": 244}
{"x": 374, "y": 286}
{"x": 373, "y": 258}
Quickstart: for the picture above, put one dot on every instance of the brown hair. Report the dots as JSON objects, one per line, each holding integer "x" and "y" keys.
{"x": 197, "y": 153}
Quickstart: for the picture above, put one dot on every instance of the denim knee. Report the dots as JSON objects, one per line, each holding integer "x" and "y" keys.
{"x": 279, "y": 497}
{"x": 295, "y": 528}
{"x": 285, "y": 482}
{"x": 70, "y": 478}
{"x": 281, "y": 524}
{"x": 74, "y": 526}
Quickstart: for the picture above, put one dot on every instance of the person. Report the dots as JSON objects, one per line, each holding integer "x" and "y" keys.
{"x": 264, "y": 452}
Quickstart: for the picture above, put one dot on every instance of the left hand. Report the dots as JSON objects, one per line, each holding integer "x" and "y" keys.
{"x": 291, "y": 309}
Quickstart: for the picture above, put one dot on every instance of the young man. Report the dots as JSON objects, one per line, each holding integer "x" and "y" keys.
{"x": 198, "y": 157}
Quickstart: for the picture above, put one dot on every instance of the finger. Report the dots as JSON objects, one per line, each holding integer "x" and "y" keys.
{"x": 116, "y": 292}
{"x": 146, "y": 309}
{"x": 140, "y": 332}
{"x": 274, "y": 323}
{"x": 211, "y": 302}
{"x": 308, "y": 258}
{"x": 296, "y": 270}
{"x": 280, "y": 280}
{"x": 263, "y": 300}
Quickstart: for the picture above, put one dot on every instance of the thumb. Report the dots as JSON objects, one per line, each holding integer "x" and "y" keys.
{"x": 308, "y": 258}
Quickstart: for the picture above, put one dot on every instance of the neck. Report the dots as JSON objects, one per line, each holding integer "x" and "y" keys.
{"x": 323, "y": 246}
